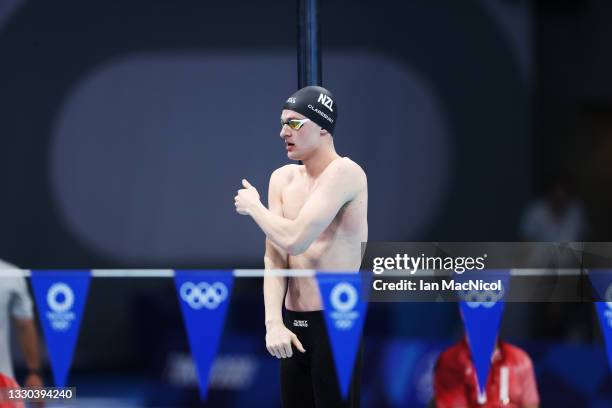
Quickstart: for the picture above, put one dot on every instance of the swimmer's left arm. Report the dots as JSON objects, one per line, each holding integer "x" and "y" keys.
{"x": 336, "y": 187}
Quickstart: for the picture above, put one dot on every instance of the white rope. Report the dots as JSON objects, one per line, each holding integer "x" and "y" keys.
{"x": 299, "y": 273}
{"x": 168, "y": 273}
{"x": 132, "y": 273}
{"x": 258, "y": 273}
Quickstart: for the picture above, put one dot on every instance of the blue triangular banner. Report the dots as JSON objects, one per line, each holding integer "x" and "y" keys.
{"x": 60, "y": 300}
{"x": 601, "y": 279}
{"x": 604, "y": 310}
{"x": 482, "y": 310}
{"x": 344, "y": 311}
{"x": 204, "y": 297}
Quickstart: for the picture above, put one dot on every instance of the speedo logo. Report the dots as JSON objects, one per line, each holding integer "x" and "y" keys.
{"x": 291, "y": 100}
{"x": 300, "y": 323}
{"x": 321, "y": 113}
{"x": 326, "y": 101}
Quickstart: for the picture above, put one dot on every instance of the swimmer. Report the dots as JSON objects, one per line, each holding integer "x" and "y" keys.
{"x": 316, "y": 219}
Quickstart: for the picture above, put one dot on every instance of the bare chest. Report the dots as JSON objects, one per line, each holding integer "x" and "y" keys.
{"x": 348, "y": 223}
{"x": 294, "y": 196}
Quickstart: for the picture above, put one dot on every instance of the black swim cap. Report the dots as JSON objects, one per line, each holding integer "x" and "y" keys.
{"x": 317, "y": 104}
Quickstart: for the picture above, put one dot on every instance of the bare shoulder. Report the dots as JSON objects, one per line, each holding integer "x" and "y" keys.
{"x": 283, "y": 175}
{"x": 348, "y": 169}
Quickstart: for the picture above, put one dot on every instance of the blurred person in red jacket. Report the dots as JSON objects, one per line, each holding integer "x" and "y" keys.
{"x": 511, "y": 382}
{"x": 5, "y": 384}
{"x": 17, "y": 312}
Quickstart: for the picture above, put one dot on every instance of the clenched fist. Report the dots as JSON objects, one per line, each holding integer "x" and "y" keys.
{"x": 246, "y": 199}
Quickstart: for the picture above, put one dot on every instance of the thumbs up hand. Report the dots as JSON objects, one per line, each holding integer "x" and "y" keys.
{"x": 246, "y": 198}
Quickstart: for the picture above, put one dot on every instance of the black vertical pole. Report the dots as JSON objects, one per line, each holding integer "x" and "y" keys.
{"x": 309, "y": 49}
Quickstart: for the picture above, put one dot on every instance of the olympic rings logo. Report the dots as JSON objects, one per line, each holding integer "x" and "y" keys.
{"x": 484, "y": 298}
{"x": 343, "y": 324}
{"x": 55, "y": 302}
{"x": 203, "y": 294}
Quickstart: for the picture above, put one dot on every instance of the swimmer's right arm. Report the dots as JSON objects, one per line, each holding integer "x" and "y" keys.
{"x": 278, "y": 337}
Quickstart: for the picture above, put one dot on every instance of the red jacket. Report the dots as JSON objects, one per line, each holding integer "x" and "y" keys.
{"x": 511, "y": 382}
{"x": 7, "y": 382}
